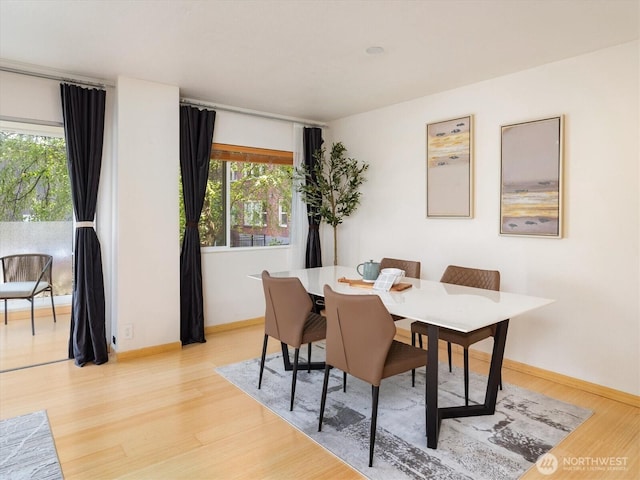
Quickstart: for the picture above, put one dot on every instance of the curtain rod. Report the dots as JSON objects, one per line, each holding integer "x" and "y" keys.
{"x": 50, "y": 75}
{"x": 46, "y": 123}
{"x": 255, "y": 113}
{"x": 42, "y": 72}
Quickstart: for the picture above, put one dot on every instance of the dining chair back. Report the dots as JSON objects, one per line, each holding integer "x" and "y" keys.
{"x": 289, "y": 318}
{"x": 360, "y": 342}
{"x": 411, "y": 267}
{"x": 471, "y": 277}
{"x": 24, "y": 277}
{"x": 360, "y": 332}
{"x": 468, "y": 277}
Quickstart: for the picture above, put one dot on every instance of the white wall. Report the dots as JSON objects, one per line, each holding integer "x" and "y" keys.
{"x": 229, "y": 295}
{"x": 146, "y": 266}
{"x": 592, "y": 330}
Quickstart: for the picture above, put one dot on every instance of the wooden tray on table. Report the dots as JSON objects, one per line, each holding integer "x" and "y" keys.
{"x": 358, "y": 282}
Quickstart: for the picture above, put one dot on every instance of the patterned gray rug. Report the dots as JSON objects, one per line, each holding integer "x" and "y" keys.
{"x": 502, "y": 446}
{"x": 27, "y": 450}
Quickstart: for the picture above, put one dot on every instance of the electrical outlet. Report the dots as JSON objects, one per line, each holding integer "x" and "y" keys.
{"x": 127, "y": 332}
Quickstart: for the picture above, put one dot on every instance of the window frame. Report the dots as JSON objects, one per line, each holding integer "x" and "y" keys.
{"x": 230, "y": 153}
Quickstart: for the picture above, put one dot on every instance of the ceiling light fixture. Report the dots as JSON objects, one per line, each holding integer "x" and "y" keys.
{"x": 375, "y": 50}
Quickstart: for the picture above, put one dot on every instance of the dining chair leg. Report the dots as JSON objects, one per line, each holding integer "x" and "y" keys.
{"x": 413, "y": 371}
{"x": 426, "y": 391}
{"x": 466, "y": 377}
{"x": 449, "y": 353}
{"x": 33, "y": 326}
{"x": 53, "y": 309}
{"x": 296, "y": 356}
{"x": 344, "y": 381}
{"x": 374, "y": 416}
{"x": 323, "y": 400}
{"x": 500, "y": 380}
{"x": 264, "y": 352}
{"x": 309, "y": 358}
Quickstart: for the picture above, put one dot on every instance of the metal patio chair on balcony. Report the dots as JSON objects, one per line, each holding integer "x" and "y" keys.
{"x": 24, "y": 277}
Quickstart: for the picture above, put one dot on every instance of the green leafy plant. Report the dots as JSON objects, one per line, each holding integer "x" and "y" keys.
{"x": 34, "y": 180}
{"x": 332, "y": 187}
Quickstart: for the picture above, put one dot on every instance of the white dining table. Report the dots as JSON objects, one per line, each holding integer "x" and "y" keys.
{"x": 439, "y": 305}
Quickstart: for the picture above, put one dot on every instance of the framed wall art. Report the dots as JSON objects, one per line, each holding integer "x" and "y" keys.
{"x": 450, "y": 168}
{"x": 531, "y": 178}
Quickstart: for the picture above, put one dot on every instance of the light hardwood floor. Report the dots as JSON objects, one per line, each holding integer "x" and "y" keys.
{"x": 19, "y": 348}
{"x": 170, "y": 416}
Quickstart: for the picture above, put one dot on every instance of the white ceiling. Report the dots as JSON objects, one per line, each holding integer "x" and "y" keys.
{"x": 307, "y": 59}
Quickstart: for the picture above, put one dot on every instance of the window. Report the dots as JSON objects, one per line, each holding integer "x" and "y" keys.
{"x": 247, "y": 199}
{"x": 255, "y": 214}
{"x": 283, "y": 214}
{"x": 36, "y": 211}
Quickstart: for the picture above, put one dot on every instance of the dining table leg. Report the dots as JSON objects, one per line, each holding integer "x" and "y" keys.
{"x": 433, "y": 414}
{"x": 491, "y": 394}
{"x": 495, "y": 370}
{"x": 288, "y": 366}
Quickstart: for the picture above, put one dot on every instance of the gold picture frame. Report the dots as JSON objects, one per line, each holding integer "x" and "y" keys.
{"x": 531, "y": 178}
{"x": 450, "y": 168}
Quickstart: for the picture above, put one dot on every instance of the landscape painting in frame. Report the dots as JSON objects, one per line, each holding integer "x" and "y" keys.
{"x": 531, "y": 187}
{"x": 449, "y": 168}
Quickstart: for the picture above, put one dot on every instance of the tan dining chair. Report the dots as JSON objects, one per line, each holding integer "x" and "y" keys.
{"x": 411, "y": 268}
{"x": 360, "y": 341}
{"x": 24, "y": 277}
{"x": 289, "y": 318}
{"x": 469, "y": 277}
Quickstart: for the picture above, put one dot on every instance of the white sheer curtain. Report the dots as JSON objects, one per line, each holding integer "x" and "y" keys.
{"x": 299, "y": 224}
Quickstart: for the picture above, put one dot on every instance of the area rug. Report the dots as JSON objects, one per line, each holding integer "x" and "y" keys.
{"x": 502, "y": 446}
{"x": 27, "y": 449}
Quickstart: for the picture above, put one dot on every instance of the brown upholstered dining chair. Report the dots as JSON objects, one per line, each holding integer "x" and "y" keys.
{"x": 469, "y": 277}
{"x": 411, "y": 268}
{"x": 360, "y": 342}
{"x": 25, "y": 276}
{"x": 289, "y": 317}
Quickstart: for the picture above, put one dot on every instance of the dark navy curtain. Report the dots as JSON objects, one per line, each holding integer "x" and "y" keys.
{"x": 83, "y": 112}
{"x": 196, "y": 135}
{"x": 312, "y": 143}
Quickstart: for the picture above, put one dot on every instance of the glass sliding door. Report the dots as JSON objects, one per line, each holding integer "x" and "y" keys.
{"x": 36, "y": 216}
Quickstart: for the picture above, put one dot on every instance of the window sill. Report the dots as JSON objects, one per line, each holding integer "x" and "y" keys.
{"x": 207, "y": 250}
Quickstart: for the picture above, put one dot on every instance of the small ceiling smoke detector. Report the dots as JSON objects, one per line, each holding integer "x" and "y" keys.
{"x": 375, "y": 50}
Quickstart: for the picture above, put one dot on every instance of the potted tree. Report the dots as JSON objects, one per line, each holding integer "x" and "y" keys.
{"x": 335, "y": 194}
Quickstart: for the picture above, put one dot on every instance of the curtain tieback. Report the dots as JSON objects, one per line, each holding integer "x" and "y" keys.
{"x": 84, "y": 224}
{"x": 191, "y": 224}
